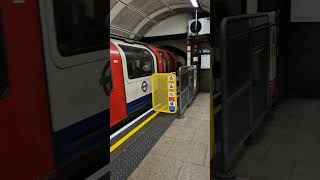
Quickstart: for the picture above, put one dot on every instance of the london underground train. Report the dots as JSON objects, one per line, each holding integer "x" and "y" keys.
{"x": 132, "y": 65}
{"x": 53, "y": 110}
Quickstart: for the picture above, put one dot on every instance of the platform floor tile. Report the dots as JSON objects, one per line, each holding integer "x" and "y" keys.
{"x": 183, "y": 150}
{"x": 287, "y": 145}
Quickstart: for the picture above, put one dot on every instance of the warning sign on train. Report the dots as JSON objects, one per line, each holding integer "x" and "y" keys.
{"x": 171, "y": 94}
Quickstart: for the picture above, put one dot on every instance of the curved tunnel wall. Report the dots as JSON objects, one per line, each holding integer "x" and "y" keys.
{"x": 134, "y": 18}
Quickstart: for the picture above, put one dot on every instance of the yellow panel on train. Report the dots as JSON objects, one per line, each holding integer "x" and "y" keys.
{"x": 164, "y": 92}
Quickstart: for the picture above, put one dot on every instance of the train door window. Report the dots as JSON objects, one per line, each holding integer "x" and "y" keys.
{"x": 171, "y": 62}
{"x": 164, "y": 62}
{"x": 3, "y": 68}
{"x": 139, "y": 62}
{"x": 81, "y": 26}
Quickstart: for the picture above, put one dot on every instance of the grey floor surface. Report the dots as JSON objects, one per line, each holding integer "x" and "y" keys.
{"x": 288, "y": 145}
{"x": 183, "y": 150}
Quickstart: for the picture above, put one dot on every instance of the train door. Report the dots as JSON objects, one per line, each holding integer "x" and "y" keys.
{"x": 25, "y": 130}
{"x": 75, "y": 52}
{"x": 165, "y": 61}
{"x": 3, "y": 65}
{"x": 172, "y": 62}
{"x": 160, "y": 63}
{"x": 4, "y": 104}
{"x": 139, "y": 63}
{"x": 118, "y": 104}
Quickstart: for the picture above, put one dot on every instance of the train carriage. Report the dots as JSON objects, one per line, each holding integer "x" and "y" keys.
{"x": 53, "y": 110}
{"x": 132, "y": 64}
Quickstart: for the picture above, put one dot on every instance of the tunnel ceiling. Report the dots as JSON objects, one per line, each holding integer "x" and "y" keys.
{"x": 134, "y": 18}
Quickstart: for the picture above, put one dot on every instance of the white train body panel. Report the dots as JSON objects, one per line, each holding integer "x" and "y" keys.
{"x": 133, "y": 87}
{"x": 77, "y": 101}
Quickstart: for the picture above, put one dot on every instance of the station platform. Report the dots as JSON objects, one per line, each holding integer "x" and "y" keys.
{"x": 287, "y": 146}
{"x": 164, "y": 147}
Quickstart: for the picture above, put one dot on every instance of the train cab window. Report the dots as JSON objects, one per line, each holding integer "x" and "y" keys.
{"x": 81, "y": 26}
{"x": 139, "y": 62}
{"x": 3, "y": 68}
{"x": 164, "y": 62}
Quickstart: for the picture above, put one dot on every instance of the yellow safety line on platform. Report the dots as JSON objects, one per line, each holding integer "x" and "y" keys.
{"x": 132, "y": 132}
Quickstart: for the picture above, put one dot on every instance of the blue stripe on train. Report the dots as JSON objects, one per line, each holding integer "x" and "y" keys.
{"x": 134, "y": 105}
{"x": 65, "y": 140}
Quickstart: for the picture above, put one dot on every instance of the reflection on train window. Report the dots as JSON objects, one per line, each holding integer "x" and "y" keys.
{"x": 3, "y": 69}
{"x": 81, "y": 25}
{"x": 164, "y": 62}
{"x": 139, "y": 62}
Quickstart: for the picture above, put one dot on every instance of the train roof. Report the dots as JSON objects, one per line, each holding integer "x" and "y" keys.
{"x": 131, "y": 41}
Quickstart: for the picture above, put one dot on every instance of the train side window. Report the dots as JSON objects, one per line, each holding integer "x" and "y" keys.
{"x": 3, "y": 67}
{"x": 139, "y": 62}
{"x": 81, "y": 26}
{"x": 164, "y": 62}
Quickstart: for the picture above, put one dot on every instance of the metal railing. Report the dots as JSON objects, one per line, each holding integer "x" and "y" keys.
{"x": 244, "y": 56}
{"x": 187, "y": 87}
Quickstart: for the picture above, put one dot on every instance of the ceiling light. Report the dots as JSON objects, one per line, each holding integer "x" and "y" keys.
{"x": 194, "y": 3}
